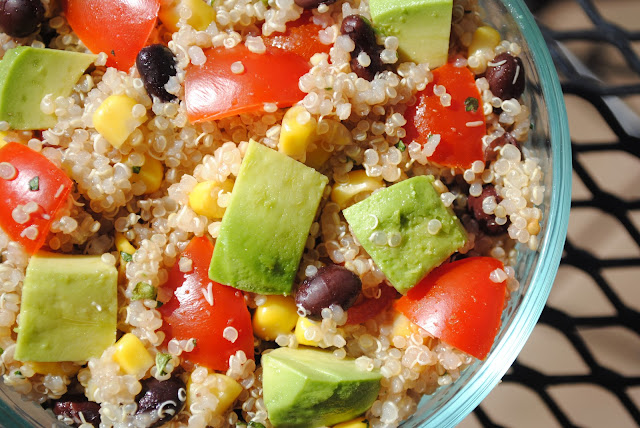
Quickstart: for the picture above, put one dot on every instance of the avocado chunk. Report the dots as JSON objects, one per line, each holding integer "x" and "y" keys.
{"x": 421, "y": 26}
{"x": 393, "y": 227}
{"x": 28, "y": 74}
{"x": 306, "y": 388}
{"x": 69, "y": 308}
{"x": 267, "y": 222}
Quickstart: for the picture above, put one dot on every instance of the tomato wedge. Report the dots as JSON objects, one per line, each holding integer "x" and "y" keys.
{"x": 120, "y": 28}
{"x": 370, "y": 307}
{"x": 302, "y": 38}
{"x": 37, "y": 180}
{"x": 213, "y": 91}
{"x": 461, "y": 125}
{"x": 190, "y": 314}
{"x": 459, "y": 303}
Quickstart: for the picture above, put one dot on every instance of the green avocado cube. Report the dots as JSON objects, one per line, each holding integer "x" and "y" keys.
{"x": 392, "y": 226}
{"x": 28, "y": 74}
{"x": 69, "y": 308}
{"x": 421, "y": 26}
{"x": 306, "y": 388}
{"x": 267, "y": 222}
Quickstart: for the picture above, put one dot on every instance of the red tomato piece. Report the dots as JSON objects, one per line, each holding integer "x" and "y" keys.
{"x": 38, "y": 180}
{"x": 120, "y": 28}
{"x": 189, "y": 314}
{"x": 370, "y": 307}
{"x": 302, "y": 38}
{"x": 458, "y": 303}
{"x": 460, "y": 131}
{"x": 213, "y": 91}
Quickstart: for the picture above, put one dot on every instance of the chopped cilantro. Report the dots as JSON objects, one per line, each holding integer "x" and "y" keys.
{"x": 34, "y": 183}
{"x": 531, "y": 125}
{"x": 195, "y": 342}
{"x": 126, "y": 256}
{"x": 255, "y": 425}
{"x": 471, "y": 104}
{"x": 113, "y": 52}
{"x": 17, "y": 373}
{"x": 329, "y": 88}
{"x": 143, "y": 291}
{"x": 1, "y": 351}
{"x": 401, "y": 146}
{"x": 136, "y": 169}
{"x": 161, "y": 362}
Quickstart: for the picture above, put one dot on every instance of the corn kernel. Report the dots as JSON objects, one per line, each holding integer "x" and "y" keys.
{"x": 485, "y": 38}
{"x": 123, "y": 245}
{"x": 222, "y": 386}
{"x": 303, "y": 325}
{"x": 295, "y": 136}
{"x": 2, "y": 138}
{"x": 132, "y": 356}
{"x": 277, "y": 316}
{"x": 338, "y": 135}
{"x": 65, "y": 368}
{"x": 151, "y": 174}
{"x": 114, "y": 119}
{"x": 357, "y": 182}
{"x": 402, "y": 326}
{"x": 201, "y": 14}
{"x": 360, "y": 422}
{"x": 203, "y": 199}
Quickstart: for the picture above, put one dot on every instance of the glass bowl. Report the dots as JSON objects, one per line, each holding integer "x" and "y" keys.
{"x": 536, "y": 270}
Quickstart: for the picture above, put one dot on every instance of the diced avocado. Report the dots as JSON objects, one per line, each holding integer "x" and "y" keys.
{"x": 306, "y": 388}
{"x": 28, "y": 74}
{"x": 392, "y": 225}
{"x": 267, "y": 222}
{"x": 69, "y": 308}
{"x": 421, "y": 26}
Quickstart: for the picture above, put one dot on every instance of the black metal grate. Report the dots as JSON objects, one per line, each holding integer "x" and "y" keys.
{"x": 627, "y": 131}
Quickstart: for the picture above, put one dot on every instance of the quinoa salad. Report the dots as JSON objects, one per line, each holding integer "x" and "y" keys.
{"x": 263, "y": 213}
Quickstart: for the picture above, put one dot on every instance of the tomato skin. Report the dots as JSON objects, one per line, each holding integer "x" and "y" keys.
{"x": 370, "y": 307}
{"x": 120, "y": 28}
{"x": 459, "y": 145}
{"x": 188, "y": 315}
{"x": 53, "y": 189}
{"x": 213, "y": 91}
{"x": 458, "y": 303}
{"x": 302, "y": 38}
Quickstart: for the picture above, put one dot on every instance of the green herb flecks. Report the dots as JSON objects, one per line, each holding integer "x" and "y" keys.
{"x": 136, "y": 169}
{"x": 161, "y": 362}
{"x": 144, "y": 291}
{"x": 126, "y": 256}
{"x": 471, "y": 104}
{"x": 34, "y": 183}
{"x": 255, "y": 425}
{"x": 401, "y": 146}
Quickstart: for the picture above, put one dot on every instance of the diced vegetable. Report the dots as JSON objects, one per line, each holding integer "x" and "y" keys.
{"x": 460, "y": 303}
{"x": 460, "y": 129}
{"x": 120, "y": 28}
{"x": 203, "y": 199}
{"x": 123, "y": 245}
{"x": 151, "y": 174}
{"x": 370, "y": 307}
{"x": 485, "y": 39}
{"x": 358, "y": 183}
{"x": 360, "y": 422}
{"x": 297, "y": 132}
{"x": 26, "y": 215}
{"x": 302, "y": 325}
{"x": 215, "y": 315}
{"x": 224, "y": 388}
{"x": 114, "y": 119}
{"x": 302, "y": 37}
{"x": 201, "y": 14}
{"x": 132, "y": 356}
{"x": 278, "y": 315}
{"x": 236, "y": 80}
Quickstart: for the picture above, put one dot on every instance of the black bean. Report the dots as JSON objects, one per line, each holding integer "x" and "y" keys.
{"x": 359, "y": 29}
{"x": 312, "y": 4}
{"x": 156, "y": 64}
{"x": 331, "y": 285}
{"x": 492, "y": 150}
{"x": 19, "y": 18}
{"x": 506, "y": 80}
{"x": 73, "y": 406}
{"x": 161, "y": 400}
{"x": 486, "y": 221}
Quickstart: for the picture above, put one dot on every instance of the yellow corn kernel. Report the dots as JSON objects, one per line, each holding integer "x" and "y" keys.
{"x": 277, "y": 316}
{"x": 114, "y": 119}
{"x": 203, "y": 199}
{"x": 65, "y": 368}
{"x": 303, "y": 325}
{"x": 485, "y": 38}
{"x": 123, "y": 245}
{"x": 357, "y": 182}
{"x": 297, "y": 132}
{"x": 2, "y": 140}
{"x": 132, "y": 356}
{"x": 222, "y": 386}
{"x": 338, "y": 134}
{"x": 402, "y": 326}
{"x": 360, "y": 422}
{"x": 201, "y": 14}
{"x": 151, "y": 174}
